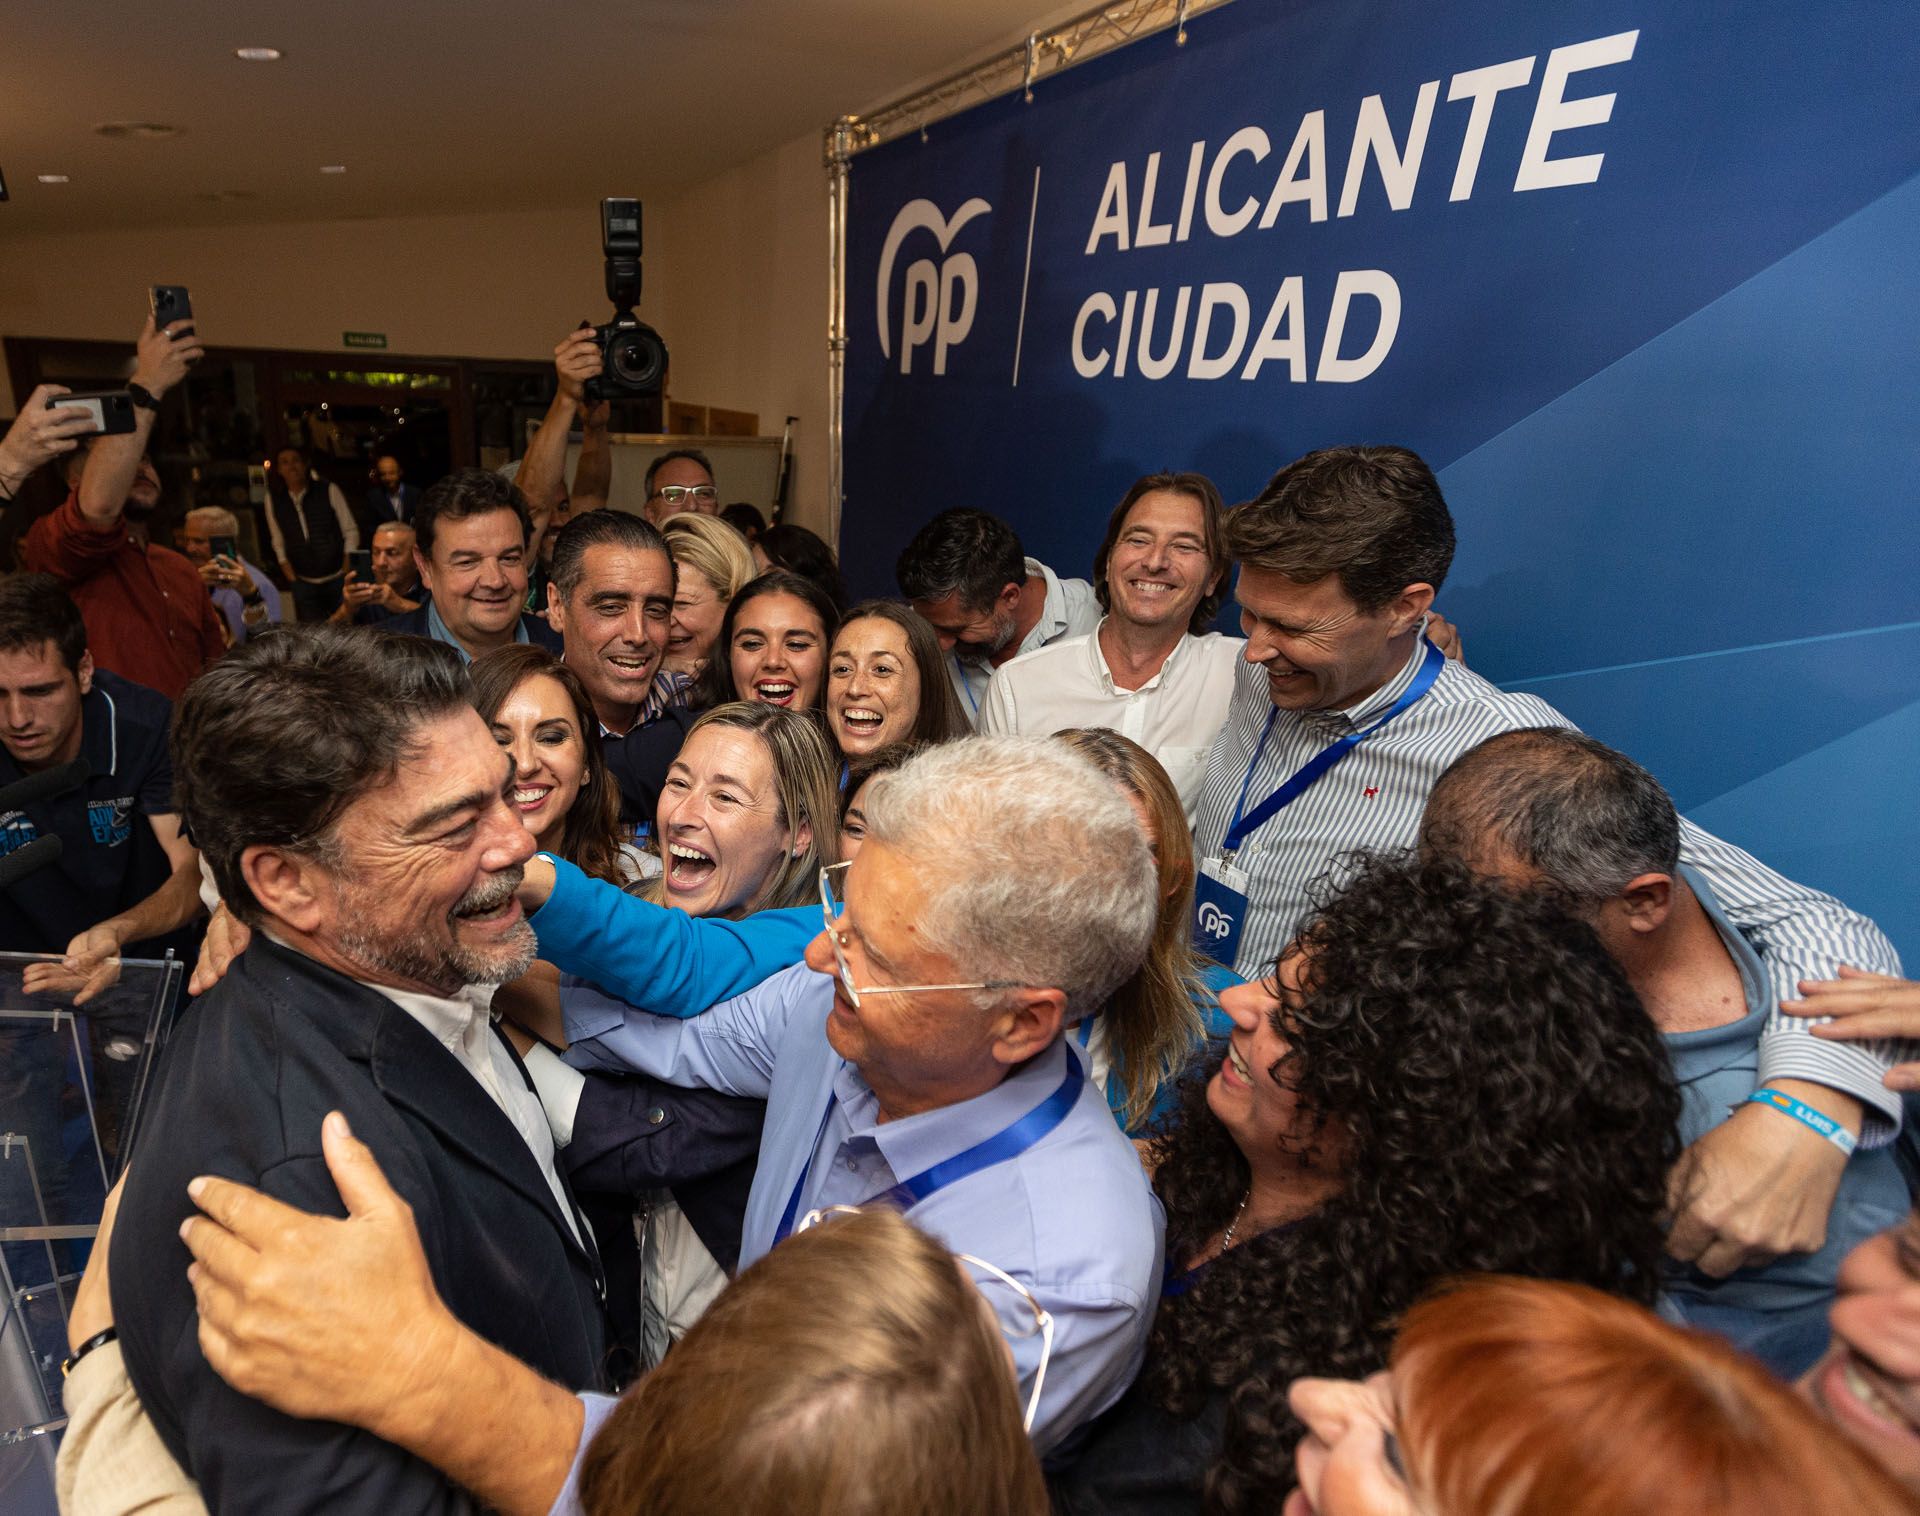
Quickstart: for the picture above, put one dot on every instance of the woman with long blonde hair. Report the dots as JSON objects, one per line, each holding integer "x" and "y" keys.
{"x": 1159, "y": 1018}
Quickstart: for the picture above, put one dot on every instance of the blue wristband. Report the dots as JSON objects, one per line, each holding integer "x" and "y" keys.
{"x": 1806, "y": 1115}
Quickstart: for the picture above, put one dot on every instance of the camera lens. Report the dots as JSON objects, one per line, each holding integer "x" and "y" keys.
{"x": 637, "y": 361}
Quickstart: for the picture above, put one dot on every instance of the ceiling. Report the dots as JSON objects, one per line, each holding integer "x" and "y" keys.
{"x": 438, "y": 106}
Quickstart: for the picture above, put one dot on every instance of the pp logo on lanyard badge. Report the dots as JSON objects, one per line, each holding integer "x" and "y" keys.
{"x": 1219, "y": 910}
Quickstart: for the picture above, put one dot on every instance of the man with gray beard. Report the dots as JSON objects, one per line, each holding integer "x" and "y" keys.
{"x": 355, "y": 812}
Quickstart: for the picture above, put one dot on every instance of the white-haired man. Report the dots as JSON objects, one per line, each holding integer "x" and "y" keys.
{"x": 916, "y": 1059}
{"x": 241, "y": 593}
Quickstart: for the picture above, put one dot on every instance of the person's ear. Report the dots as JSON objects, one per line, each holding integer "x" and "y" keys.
{"x": 1028, "y": 1025}
{"x": 556, "y": 613}
{"x": 83, "y": 671}
{"x": 1405, "y": 609}
{"x": 287, "y": 885}
{"x": 1009, "y": 597}
{"x": 1646, "y": 902}
{"x": 802, "y": 838}
{"x": 423, "y": 568}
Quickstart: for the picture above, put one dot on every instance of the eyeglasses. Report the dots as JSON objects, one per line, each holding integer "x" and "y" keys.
{"x": 1035, "y": 1319}
{"x": 680, "y": 494}
{"x": 831, "y": 905}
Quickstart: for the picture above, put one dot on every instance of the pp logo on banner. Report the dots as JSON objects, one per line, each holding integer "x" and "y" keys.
{"x": 939, "y": 298}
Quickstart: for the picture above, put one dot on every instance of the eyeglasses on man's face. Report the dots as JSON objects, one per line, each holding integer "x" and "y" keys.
{"x": 680, "y": 494}
{"x": 1030, "y": 1319}
{"x": 832, "y": 903}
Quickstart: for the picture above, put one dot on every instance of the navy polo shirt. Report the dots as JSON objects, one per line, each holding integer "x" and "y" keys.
{"x": 110, "y": 860}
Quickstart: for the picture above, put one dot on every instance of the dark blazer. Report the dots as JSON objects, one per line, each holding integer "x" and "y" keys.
{"x": 632, "y": 1135}
{"x": 414, "y": 624}
{"x": 377, "y": 509}
{"x": 639, "y": 761}
{"x": 245, "y": 1080}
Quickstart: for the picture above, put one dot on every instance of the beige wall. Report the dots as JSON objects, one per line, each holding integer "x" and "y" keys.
{"x": 744, "y": 267}
{"x": 736, "y": 281}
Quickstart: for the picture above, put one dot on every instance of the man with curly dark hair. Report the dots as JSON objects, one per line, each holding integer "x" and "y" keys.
{"x": 1440, "y": 1077}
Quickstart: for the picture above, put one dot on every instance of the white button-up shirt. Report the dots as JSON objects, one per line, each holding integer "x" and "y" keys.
{"x": 1175, "y": 715}
{"x": 464, "y": 1027}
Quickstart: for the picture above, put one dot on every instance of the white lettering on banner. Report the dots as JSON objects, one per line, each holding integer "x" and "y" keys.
{"x": 1310, "y": 142}
{"x": 1212, "y": 297}
{"x": 1272, "y": 345}
{"x": 1233, "y": 184}
{"x": 1481, "y": 85}
{"x": 1302, "y": 178}
{"x": 1249, "y": 139}
{"x": 1554, "y": 113}
{"x": 1147, "y": 234}
{"x": 939, "y": 300}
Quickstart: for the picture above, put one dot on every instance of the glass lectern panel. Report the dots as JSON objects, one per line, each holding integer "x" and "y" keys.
{"x": 72, "y": 1082}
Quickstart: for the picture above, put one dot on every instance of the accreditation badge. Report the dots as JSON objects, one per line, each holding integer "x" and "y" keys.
{"x": 1219, "y": 909}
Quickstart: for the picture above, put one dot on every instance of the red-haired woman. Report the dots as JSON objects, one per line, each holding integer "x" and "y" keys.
{"x": 1528, "y": 1398}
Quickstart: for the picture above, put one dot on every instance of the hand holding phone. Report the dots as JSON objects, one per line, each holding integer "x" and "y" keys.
{"x": 111, "y": 411}
{"x": 170, "y": 303}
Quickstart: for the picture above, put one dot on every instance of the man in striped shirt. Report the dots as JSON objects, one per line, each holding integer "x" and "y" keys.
{"x": 1340, "y": 557}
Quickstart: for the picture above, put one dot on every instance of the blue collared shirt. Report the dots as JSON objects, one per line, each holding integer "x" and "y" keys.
{"x": 1778, "y": 1311}
{"x": 1072, "y": 1218}
{"x": 437, "y": 630}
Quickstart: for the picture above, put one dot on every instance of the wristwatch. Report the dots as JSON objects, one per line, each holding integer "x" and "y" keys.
{"x": 143, "y": 397}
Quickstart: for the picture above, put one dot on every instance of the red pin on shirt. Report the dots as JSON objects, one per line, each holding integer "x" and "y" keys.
{"x": 1372, "y": 790}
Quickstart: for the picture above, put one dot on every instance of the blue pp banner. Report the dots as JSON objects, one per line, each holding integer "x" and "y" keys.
{"x": 1636, "y": 277}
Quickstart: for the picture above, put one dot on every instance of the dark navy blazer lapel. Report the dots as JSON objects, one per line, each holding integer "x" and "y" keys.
{"x": 416, "y": 1073}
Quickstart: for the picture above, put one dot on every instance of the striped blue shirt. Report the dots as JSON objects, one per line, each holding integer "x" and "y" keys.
{"x": 1374, "y": 798}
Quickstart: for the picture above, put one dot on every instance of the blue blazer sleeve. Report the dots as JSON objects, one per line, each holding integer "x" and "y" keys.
{"x": 658, "y": 959}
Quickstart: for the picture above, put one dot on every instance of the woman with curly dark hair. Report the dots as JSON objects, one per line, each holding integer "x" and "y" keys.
{"x": 1440, "y": 1078}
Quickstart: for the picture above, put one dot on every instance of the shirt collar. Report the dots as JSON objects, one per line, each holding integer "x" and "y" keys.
{"x": 916, "y": 1143}
{"x": 461, "y": 1024}
{"x": 100, "y": 732}
{"x": 1053, "y": 612}
{"x": 437, "y": 629}
{"x": 1369, "y": 706}
{"x": 1103, "y": 675}
{"x": 461, "y": 1020}
{"x": 1753, "y": 982}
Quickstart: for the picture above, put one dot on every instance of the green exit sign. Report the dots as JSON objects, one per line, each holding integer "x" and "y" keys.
{"x": 364, "y": 339}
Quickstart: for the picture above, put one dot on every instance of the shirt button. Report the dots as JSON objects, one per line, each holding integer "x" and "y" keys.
{"x": 655, "y": 1116}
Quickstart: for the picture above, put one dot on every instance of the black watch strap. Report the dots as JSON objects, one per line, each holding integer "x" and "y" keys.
{"x": 143, "y": 397}
{"x": 98, "y": 1340}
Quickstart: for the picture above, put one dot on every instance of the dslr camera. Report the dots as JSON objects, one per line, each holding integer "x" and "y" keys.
{"x": 634, "y": 357}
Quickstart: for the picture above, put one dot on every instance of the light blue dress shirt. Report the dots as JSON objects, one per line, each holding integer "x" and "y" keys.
{"x": 1072, "y": 1218}
{"x": 1777, "y": 1312}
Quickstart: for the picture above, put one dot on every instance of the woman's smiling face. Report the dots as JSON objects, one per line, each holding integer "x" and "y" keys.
{"x": 721, "y": 831}
{"x": 539, "y": 727}
{"x": 778, "y": 652}
{"x": 873, "y": 685}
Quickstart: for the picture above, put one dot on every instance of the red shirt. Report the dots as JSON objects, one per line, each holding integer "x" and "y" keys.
{"x": 149, "y": 618}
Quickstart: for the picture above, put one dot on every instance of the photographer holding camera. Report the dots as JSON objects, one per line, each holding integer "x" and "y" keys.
{"x": 542, "y": 476}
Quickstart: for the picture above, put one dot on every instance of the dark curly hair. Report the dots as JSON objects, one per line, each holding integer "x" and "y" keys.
{"x": 1503, "y": 1104}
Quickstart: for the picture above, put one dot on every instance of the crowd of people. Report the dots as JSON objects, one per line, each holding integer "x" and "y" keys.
{"x": 668, "y": 1038}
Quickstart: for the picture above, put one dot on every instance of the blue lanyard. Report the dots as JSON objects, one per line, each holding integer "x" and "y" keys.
{"x": 966, "y": 686}
{"x": 1010, "y": 1142}
{"x": 1245, "y": 824}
